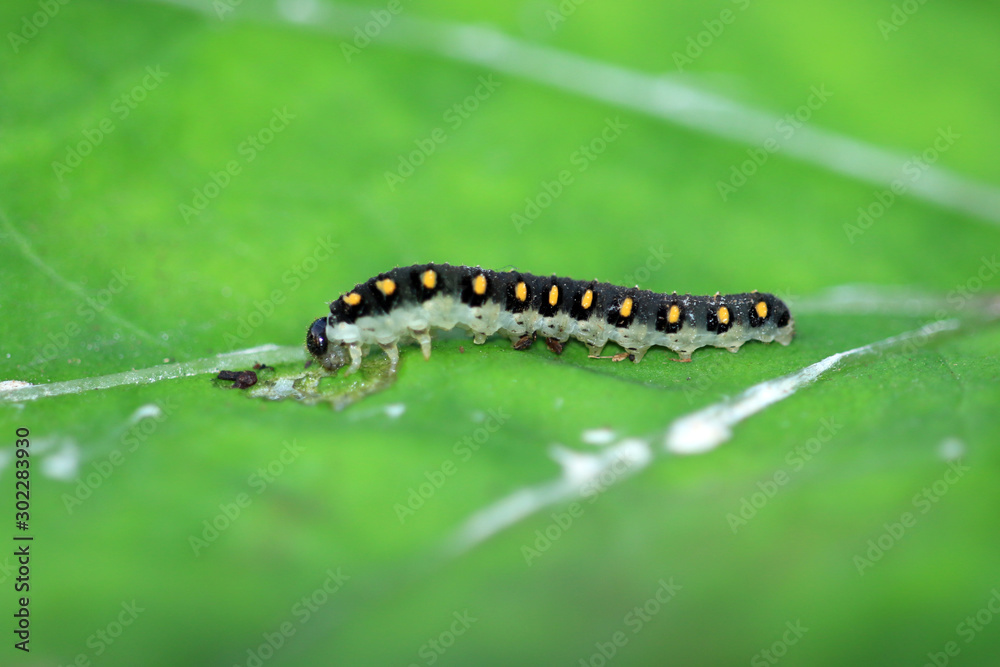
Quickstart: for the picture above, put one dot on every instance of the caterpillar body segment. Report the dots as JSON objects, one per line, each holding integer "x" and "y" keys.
{"x": 406, "y": 303}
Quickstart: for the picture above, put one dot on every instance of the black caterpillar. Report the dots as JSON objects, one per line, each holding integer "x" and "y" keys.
{"x": 404, "y": 303}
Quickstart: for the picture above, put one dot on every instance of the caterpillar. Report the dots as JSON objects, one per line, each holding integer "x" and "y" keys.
{"x": 405, "y": 303}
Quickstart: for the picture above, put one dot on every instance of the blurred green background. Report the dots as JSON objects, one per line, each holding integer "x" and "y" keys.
{"x": 180, "y": 181}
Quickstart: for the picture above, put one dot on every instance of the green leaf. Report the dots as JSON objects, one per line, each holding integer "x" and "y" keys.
{"x": 180, "y": 181}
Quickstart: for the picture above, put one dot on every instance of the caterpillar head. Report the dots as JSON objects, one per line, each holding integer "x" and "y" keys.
{"x": 330, "y": 356}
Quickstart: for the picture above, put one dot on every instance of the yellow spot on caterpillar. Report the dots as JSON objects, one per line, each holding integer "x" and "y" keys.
{"x": 521, "y": 291}
{"x": 673, "y": 314}
{"x": 430, "y": 279}
{"x": 626, "y": 308}
{"x": 587, "y": 300}
{"x": 352, "y": 299}
{"x": 553, "y": 295}
{"x": 387, "y": 286}
{"x": 723, "y": 315}
{"x": 761, "y": 309}
{"x": 479, "y": 284}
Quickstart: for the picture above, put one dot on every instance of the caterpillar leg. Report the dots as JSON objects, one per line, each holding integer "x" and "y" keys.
{"x": 356, "y": 356}
{"x": 594, "y": 351}
{"x": 392, "y": 352}
{"x": 423, "y": 337}
{"x": 479, "y": 338}
{"x": 555, "y": 345}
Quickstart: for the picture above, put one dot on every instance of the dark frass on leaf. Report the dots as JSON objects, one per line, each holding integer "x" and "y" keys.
{"x": 240, "y": 379}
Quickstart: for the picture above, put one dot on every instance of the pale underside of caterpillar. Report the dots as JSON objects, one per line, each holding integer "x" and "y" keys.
{"x": 404, "y": 304}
